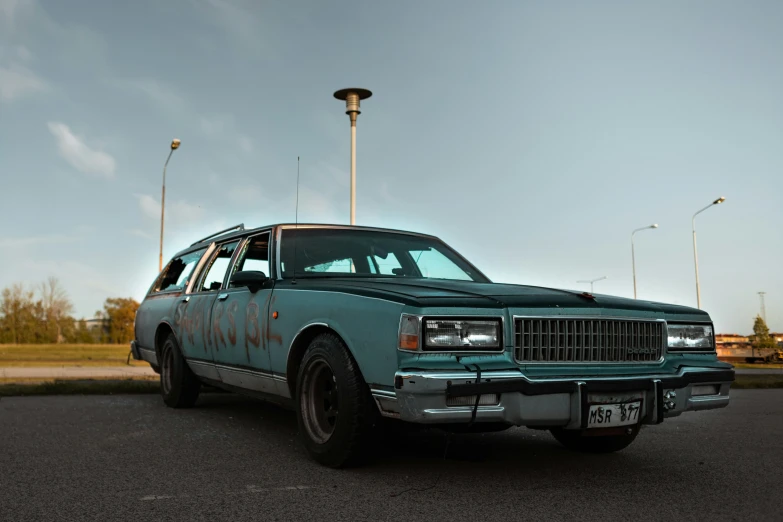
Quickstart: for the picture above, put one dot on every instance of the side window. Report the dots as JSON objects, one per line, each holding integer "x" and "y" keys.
{"x": 255, "y": 255}
{"x": 388, "y": 265}
{"x": 340, "y": 266}
{"x": 432, "y": 261}
{"x": 177, "y": 274}
{"x": 217, "y": 268}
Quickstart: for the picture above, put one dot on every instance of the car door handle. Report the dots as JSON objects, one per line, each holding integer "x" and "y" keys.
{"x": 222, "y": 297}
{"x": 186, "y": 299}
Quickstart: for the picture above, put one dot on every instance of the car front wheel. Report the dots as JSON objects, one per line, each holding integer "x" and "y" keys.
{"x": 334, "y": 408}
{"x": 577, "y": 440}
{"x": 178, "y": 385}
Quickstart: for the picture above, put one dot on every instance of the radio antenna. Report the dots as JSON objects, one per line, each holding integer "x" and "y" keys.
{"x": 296, "y": 218}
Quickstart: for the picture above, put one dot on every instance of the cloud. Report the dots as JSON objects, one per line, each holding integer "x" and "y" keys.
{"x": 245, "y": 143}
{"x": 17, "y": 81}
{"x": 215, "y": 126}
{"x": 239, "y": 19}
{"x": 223, "y": 127}
{"x": 16, "y": 52}
{"x": 139, "y": 233}
{"x": 8, "y": 10}
{"x": 81, "y": 157}
{"x": 18, "y": 242}
{"x": 161, "y": 93}
{"x": 179, "y": 211}
{"x": 247, "y": 193}
{"x": 23, "y": 53}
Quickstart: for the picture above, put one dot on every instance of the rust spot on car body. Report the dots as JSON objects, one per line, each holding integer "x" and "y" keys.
{"x": 232, "y": 327}
{"x": 216, "y": 326}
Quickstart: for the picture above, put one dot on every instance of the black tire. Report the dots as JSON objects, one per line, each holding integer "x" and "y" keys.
{"x": 178, "y": 385}
{"x": 334, "y": 408}
{"x": 575, "y": 440}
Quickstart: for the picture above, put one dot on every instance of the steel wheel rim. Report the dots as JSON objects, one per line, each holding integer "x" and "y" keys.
{"x": 166, "y": 369}
{"x": 319, "y": 402}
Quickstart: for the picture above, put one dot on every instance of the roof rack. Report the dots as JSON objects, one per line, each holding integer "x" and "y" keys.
{"x": 240, "y": 226}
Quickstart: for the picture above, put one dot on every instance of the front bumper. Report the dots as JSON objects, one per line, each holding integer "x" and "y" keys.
{"x": 508, "y": 397}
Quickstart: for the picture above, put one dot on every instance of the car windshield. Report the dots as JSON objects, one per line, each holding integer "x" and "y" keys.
{"x": 325, "y": 252}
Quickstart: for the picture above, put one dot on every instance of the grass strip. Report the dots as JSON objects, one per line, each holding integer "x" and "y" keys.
{"x": 80, "y": 387}
{"x": 56, "y": 355}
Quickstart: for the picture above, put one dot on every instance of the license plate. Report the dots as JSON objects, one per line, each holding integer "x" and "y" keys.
{"x": 613, "y": 415}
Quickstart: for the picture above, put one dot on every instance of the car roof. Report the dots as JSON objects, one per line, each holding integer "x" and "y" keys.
{"x": 236, "y": 232}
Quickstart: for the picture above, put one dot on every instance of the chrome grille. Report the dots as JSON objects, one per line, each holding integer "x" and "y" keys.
{"x": 588, "y": 340}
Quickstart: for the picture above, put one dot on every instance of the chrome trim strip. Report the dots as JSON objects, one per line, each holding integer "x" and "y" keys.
{"x": 659, "y": 362}
{"x": 254, "y": 373}
{"x": 384, "y": 394}
{"x": 250, "y": 380}
{"x": 505, "y": 374}
{"x": 203, "y": 369}
{"x": 302, "y": 329}
{"x": 199, "y": 266}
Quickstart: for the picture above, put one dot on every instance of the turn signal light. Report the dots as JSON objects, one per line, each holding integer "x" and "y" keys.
{"x": 409, "y": 333}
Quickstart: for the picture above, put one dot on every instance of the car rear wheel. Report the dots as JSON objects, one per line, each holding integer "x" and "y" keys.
{"x": 178, "y": 385}
{"x": 334, "y": 408}
{"x": 577, "y": 440}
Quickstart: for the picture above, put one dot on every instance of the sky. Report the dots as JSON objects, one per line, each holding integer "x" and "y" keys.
{"x": 533, "y": 137}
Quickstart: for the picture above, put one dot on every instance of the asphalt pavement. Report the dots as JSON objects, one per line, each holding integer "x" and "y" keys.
{"x": 131, "y": 458}
{"x": 758, "y": 371}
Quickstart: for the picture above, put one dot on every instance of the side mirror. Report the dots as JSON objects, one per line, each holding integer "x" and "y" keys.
{"x": 252, "y": 279}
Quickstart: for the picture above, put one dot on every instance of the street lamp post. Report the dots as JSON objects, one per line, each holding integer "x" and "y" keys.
{"x": 695, "y": 256}
{"x": 633, "y": 256}
{"x": 352, "y": 97}
{"x": 591, "y": 281}
{"x": 174, "y": 146}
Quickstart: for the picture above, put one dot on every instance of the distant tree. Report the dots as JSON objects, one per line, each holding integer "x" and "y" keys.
{"x": 56, "y": 309}
{"x": 761, "y": 338}
{"x": 81, "y": 334}
{"x": 119, "y": 314}
{"x": 18, "y": 317}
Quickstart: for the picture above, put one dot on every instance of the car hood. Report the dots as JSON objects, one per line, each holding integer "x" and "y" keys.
{"x": 439, "y": 292}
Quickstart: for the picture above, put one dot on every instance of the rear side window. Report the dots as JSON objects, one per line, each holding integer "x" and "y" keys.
{"x": 217, "y": 268}
{"x": 255, "y": 255}
{"x": 178, "y": 272}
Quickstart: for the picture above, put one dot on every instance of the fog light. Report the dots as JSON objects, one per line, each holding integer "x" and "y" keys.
{"x": 704, "y": 389}
{"x": 491, "y": 399}
{"x": 669, "y": 400}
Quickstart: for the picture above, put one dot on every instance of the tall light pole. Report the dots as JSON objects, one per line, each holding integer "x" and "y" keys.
{"x": 633, "y": 256}
{"x": 591, "y": 281}
{"x": 174, "y": 146}
{"x": 352, "y": 96}
{"x": 695, "y": 256}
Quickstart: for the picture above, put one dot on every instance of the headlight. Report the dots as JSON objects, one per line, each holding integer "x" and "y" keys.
{"x": 447, "y": 335}
{"x": 458, "y": 334}
{"x": 687, "y": 337}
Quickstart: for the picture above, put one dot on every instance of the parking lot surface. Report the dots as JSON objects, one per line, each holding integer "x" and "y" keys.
{"x": 231, "y": 458}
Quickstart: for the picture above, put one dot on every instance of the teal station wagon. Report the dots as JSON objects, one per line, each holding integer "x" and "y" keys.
{"x": 353, "y": 325}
